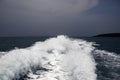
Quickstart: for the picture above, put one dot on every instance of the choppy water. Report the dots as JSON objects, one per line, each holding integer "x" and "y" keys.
{"x": 59, "y": 58}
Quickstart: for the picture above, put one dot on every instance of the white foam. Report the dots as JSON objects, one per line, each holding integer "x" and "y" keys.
{"x": 2, "y": 53}
{"x": 65, "y": 58}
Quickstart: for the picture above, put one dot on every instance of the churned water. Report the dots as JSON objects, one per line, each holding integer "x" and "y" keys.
{"x": 59, "y": 58}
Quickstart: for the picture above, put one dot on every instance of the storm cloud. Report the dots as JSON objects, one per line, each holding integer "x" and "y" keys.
{"x": 46, "y": 9}
{"x": 55, "y": 7}
{"x": 47, "y": 17}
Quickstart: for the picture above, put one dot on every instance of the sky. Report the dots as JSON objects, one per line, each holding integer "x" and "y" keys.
{"x": 59, "y": 17}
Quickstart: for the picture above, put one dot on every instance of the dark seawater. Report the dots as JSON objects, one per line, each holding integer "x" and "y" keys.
{"x": 111, "y": 44}
{"x": 108, "y": 60}
{"x": 9, "y": 43}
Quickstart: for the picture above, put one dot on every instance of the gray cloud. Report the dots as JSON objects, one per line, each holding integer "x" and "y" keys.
{"x": 46, "y": 9}
{"x": 50, "y": 17}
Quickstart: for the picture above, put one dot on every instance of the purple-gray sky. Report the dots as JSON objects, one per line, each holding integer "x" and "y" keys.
{"x": 54, "y": 17}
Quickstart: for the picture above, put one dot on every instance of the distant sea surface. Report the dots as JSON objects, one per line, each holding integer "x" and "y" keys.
{"x": 59, "y": 58}
{"x": 111, "y": 44}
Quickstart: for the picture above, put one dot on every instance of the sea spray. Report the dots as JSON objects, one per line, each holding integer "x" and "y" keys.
{"x": 59, "y": 58}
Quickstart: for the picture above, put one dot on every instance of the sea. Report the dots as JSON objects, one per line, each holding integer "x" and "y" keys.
{"x": 60, "y": 58}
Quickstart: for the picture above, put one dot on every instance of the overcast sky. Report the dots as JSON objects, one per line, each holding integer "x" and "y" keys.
{"x": 55, "y": 17}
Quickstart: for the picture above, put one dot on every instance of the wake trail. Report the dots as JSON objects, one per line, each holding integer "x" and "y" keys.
{"x": 59, "y": 58}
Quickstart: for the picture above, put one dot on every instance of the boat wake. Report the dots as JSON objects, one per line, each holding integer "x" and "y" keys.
{"x": 59, "y": 58}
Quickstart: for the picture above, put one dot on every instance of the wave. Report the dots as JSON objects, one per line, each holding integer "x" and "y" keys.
{"x": 59, "y": 58}
{"x": 108, "y": 65}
